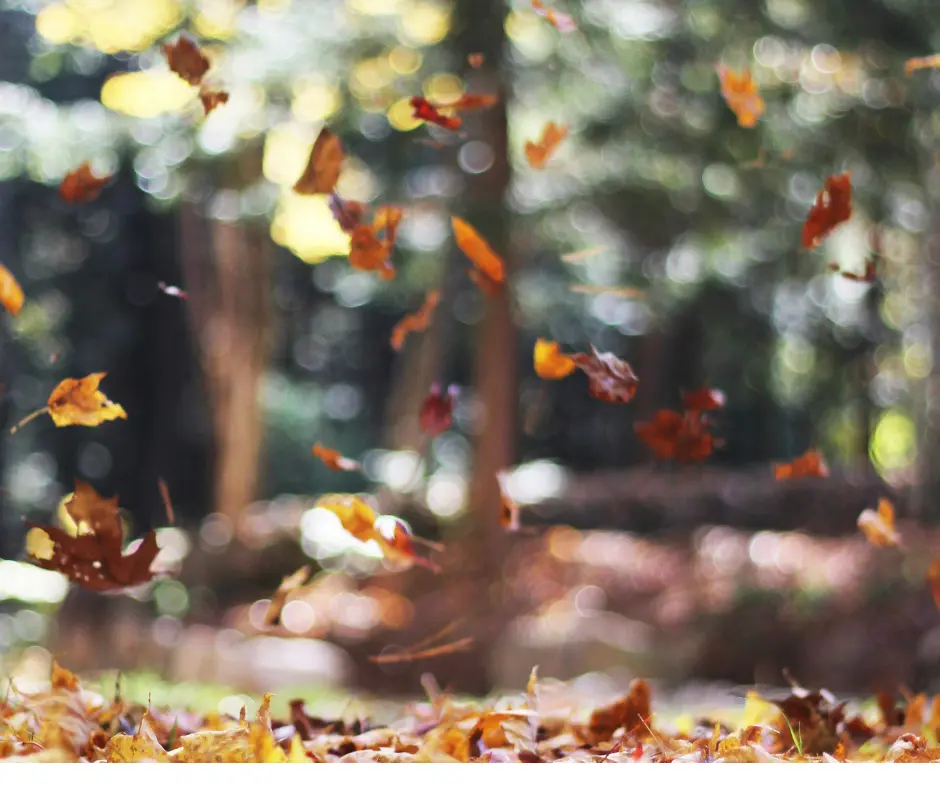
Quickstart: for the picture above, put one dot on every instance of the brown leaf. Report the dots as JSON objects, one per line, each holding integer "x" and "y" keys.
{"x": 11, "y": 294}
{"x": 186, "y": 60}
{"x": 80, "y": 186}
{"x": 683, "y": 437}
{"x": 475, "y": 59}
{"x": 809, "y": 464}
{"x": 212, "y": 98}
{"x": 611, "y": 379}
{"x": 632, "y": 713}
{"x": 538, "y": 153}
{"x": 917, "y": 63}
{"x": 416, "y": 321}
{"x": 323, "y": 167}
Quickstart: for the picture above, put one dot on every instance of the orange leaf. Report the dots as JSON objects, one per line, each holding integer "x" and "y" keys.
{"x": 94, "y": 558}
{"x": 395, "y": 538}
{"x": 703, "y": 400}
{"x": 293, "y": 582}
{"x": 212, "y": 98}
{"x": 348, "y": 213}
{"x": 809, "y": 464}
{"x": 469, "y": 102}
{"x": 878, "y": 527}
{"x": 917, "y": 63}
{"x": 933, "y": 578}
{"x": 832, "y": 207}
{"x": 323, "y": 167}
{"x": 539, "y": 152}
{"x": 611, "y": 378}
{"x": 475, "y": 59}
{"x": 632, "y": 712}
{"x": 416, "y": 321}
{"x": 561, "y": 22}
{"x": 550, "y": 363}
{"x": 742, "y": 96}
{"x": 81, "y": 185}
{"x": 333, "y": 460}
{"x": 357, "y": 517}
{"x": 489, "y": 273}
{"x": 186, "y": 61}
{"x": 367, "y": 252}
{"x": 422, "y": 109}
{"x": 11, "y": 294}
{"x": 78, "y": 402}
{"x": 677, "y": 436}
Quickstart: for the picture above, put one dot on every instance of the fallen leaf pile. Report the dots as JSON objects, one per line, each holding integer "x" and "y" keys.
{"x": 66, "y": 723}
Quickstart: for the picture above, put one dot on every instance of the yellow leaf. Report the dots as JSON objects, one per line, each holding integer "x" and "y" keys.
{"x": 39, "y": 545}
{"x": 79, "y": 402}
{"x": 550, "y": 362}
{"x": 356, "y": 516}
{"x": 11, "y": 294}
{"x": 142, "y": 747}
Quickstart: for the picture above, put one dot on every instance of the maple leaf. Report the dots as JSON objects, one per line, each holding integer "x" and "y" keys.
{"x": 742, "y": 95}
{"x": 489, "y": 272}
{"x": 809, "y": 464}
{"x": 437, "y": 411}
{"x": 611, "y": 379}
{"x": 422, "y": 109}
{"x": 78, "y": 402}
{"x": 550, "y": 363}
{"x": 293, "y": 582}
{"x": 333, "y": 460}
{"x": 11, "y": 294}
{"x": 95, "y": 557}
{"x": 833, "y": 206}
{"x": 561, "y": 22}
{"x": 538, "y": 153}
{"x": 186, "y": 60}
{"x": 81, "y": 185}
{"x": 878, "y": 526}
{"x": 321, "y": 174}
{"x": 682, "y": 437}
{"x": 703, "y": 400}
{"x": 416, "y": 321}
{"x": 212, "y": 98}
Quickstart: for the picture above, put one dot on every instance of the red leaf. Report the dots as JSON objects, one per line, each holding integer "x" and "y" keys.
{"x": 703, "y": 400}
{"x": 422, "y": 109}
{"x": 832, "y": 207}
{"x": 612, "y": 379}
{"x": 437, "y": 410}
{"x": 186, "y": 61}
{"x": 677, "y": 436}
{"x": 81, "y": 185}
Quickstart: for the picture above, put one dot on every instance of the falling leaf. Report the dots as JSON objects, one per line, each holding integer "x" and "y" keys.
{"x": 917, "y": 63}
{"x": 173, "y": 290}
{"x": 371, "y": 246}
{"x": 416, "y": 321}
{"x": 550, "y": 363}
{"x": 475, "y": 59}
{"x": 397, "y": 541}
{"x": 291, "y": 583}
{"x": 437, "y": 411}
{"x": 809, "y": 464}
{"x": 167, "y": 503}
{"x": 95, "y": 557}
{"x": 348, "y": 213}
{"x": 742, "y": 95}
{"x": 422, "y": 109}
{"x": 186, "y": 60}
{"x": 81, "y": 185}
{"x": 469, "y": 102}
{"x": 561, "y": 22}
{"x": 509, "y": 513}
{"x": 578, "y": 257}
{"x": 683, "y": 437}
{"x": 489, "y": 272}
{"x": 833, "y": 206}
{"x": 321, "y": 174}
{"x": 625, "y": 292}
{"x": 538, "y": 153}
{"x": 78, "y": 402}
{"x": 333, "y": 460}
{"x": 11, "y": 294}
{"x": 356, "y": 516}
{"x": 878, "y": 526}
{"x": 703, "y": 400}
{"x": 933, "y": 578}
{"x": 611, "y": 379}
{"x": 212, "y": 98}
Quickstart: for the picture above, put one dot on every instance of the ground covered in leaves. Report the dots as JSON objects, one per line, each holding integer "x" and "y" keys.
{"x": 65, "y": 722}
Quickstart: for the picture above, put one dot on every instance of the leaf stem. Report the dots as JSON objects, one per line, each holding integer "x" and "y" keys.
{"x": 24, "y": 421}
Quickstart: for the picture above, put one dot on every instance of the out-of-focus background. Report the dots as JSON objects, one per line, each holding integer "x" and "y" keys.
{"x": 627, "y": 566}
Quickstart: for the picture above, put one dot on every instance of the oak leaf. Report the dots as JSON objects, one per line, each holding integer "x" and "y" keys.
{"x": 186, "y": 60}
{"x": 81, "y": 185}
{"x": 11, "y": 294}
{"x": 416, "y": 321}
{"x": 321, "y": 174}
{"x": 538, "y": 153}
{"x": 833, "y": 206}
{"x": 348, "y": 213}
{"x": 550, "y": 363}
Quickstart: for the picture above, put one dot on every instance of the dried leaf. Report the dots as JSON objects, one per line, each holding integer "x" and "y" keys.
{"x": 677, "y": 436}
{"x": 437, "y": 410}
{"x": 143, "y": 747}
{"x": 79, "y": 402}
{"x": 489, "y": 272}
{"x": 809, "y": 464}
{"x": 632, "y": 713}
{"x": 561, "y": 22}
{"x": 293, "y": 582}
{"x": 186, "y": 60}
{"x": 878, "y": 526}
{"x": 538, "y": 153}
{"x": 742, "y": 95}
{"x": 212, "y": 98}
{"x": 81, "y": 185}
{"x": 94, "y": 558}
{"x": 416, "y": 321}
{"x": 333, "y": 460}
{"x": 348, "y": 213}
{"x": 11, "y": 294}
{"x": 703, "y": 400}
{"x": 611, "y": 379}
{"x": 356, "y": 516}
{"x": 321, "y": 174}
{"x": 833, "y": 206}
{"x": 422, "y": 109}
{"x": 550, "y": 363}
